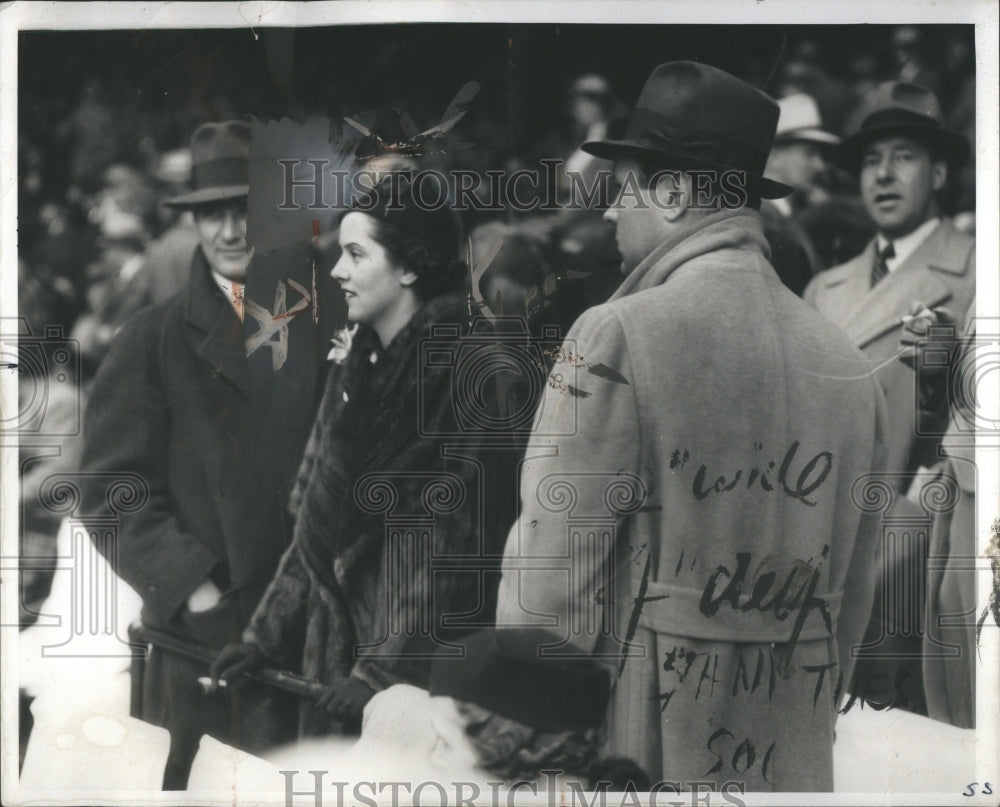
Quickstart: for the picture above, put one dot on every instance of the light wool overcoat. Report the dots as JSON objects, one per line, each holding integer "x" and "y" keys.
{"x": 939, "y": 272}
{"x": 688, "y": 512}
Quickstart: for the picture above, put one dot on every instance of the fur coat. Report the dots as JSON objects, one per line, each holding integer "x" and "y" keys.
{"x": 394, "y": 535}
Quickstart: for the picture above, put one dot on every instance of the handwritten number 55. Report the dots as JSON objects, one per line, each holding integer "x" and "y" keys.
{"x": 970, "y": 789}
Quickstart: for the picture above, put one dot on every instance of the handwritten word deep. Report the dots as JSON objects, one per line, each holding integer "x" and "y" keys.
{"x": 797, "y": 592}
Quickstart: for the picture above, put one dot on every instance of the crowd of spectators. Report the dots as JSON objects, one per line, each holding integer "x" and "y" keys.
{"x": 97, "y": 155}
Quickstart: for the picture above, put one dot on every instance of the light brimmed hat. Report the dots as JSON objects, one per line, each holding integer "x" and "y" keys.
{"x": 692, "y": 115}
{"x": 901, "y": 108}
{"x": 220, "y": 164}
{"x": 800, "y": 121}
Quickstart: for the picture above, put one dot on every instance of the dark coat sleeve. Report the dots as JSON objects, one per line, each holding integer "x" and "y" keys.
{"x": 278, "y": 624}
{"x": 127, "y": 429}
{"x": 791, "y": 253}
{"x": 327, "y": 410}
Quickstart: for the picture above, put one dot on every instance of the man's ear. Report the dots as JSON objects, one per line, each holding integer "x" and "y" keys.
{"x": 670, "y": 191}
{"x": 939, "y": 174}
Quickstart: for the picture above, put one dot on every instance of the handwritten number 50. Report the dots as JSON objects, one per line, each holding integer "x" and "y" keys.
{"x": 743, "y": 757}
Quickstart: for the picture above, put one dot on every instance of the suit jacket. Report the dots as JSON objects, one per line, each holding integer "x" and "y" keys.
{"x": 940, "y": 272}
{"x": 654, "y": 475}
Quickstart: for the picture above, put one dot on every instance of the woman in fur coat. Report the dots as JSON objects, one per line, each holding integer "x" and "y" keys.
{"x": 391, "y": 554}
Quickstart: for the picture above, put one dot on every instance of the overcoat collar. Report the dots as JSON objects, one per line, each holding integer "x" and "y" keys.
{"x": 213, "y": 327}
{"x": 740, "y": 229}
{"x": 923, "y": 277}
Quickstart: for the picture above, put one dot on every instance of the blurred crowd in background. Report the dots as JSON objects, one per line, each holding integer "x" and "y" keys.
{"x": 104, "y": 119}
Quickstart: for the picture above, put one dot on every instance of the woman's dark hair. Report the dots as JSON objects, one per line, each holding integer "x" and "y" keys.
{"x": 436, "y": 275}
{"x": 425, "y": 240}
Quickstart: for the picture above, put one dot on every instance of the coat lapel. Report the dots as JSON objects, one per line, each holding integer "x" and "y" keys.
{"x": 214, "y": 328}
{"x": 857, "y": 283}
{"x": 921, "y": 278}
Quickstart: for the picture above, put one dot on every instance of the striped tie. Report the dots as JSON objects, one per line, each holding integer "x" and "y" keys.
{"x": 879, "y": 267}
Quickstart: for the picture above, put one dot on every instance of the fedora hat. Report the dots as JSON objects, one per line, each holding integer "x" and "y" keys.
{"x": 901, "y": 108}
{"x": 220, "y": 164}
{"x": 692, "y": 115}
{"x": 800, "y": 121}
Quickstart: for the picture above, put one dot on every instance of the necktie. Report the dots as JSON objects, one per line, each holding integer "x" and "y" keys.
{"x": 879, "y": 267}
{"x": 237, "y": 292}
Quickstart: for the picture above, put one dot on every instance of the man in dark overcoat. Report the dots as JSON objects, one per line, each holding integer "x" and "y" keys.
{"x": 690, "y": 506}
{"x": 217, "y": 435}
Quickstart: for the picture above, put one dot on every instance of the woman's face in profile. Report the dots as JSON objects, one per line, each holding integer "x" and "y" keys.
{"x": 372, "y": 283}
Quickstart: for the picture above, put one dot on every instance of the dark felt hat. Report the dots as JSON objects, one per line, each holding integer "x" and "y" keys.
{"x": 692, "y": 115}
{"x": 901, "y": 108}
{"x": 220, "y": 164}
{"x": 507, "y": 671}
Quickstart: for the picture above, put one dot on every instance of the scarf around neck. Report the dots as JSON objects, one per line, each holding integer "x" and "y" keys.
{"x": 740, "y": 229}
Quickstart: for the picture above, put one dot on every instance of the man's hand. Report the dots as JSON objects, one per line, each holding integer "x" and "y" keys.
{"x": 347, "y": 701}
{"x": 938, "y": 347}
{"x": 235, "y": 660}
{"x": 206, "y": 596}
{"x": 916, "y": 327}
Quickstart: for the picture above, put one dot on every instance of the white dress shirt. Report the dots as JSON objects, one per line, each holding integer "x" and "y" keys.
{"x": 904, "y": 247}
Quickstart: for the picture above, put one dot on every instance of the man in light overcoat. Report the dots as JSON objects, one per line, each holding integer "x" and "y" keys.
{"x": 903, "y": 157}
{"x": 690, "y": 495}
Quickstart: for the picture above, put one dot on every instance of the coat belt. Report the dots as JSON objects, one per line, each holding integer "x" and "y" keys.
{"x": 679, "y": 614}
